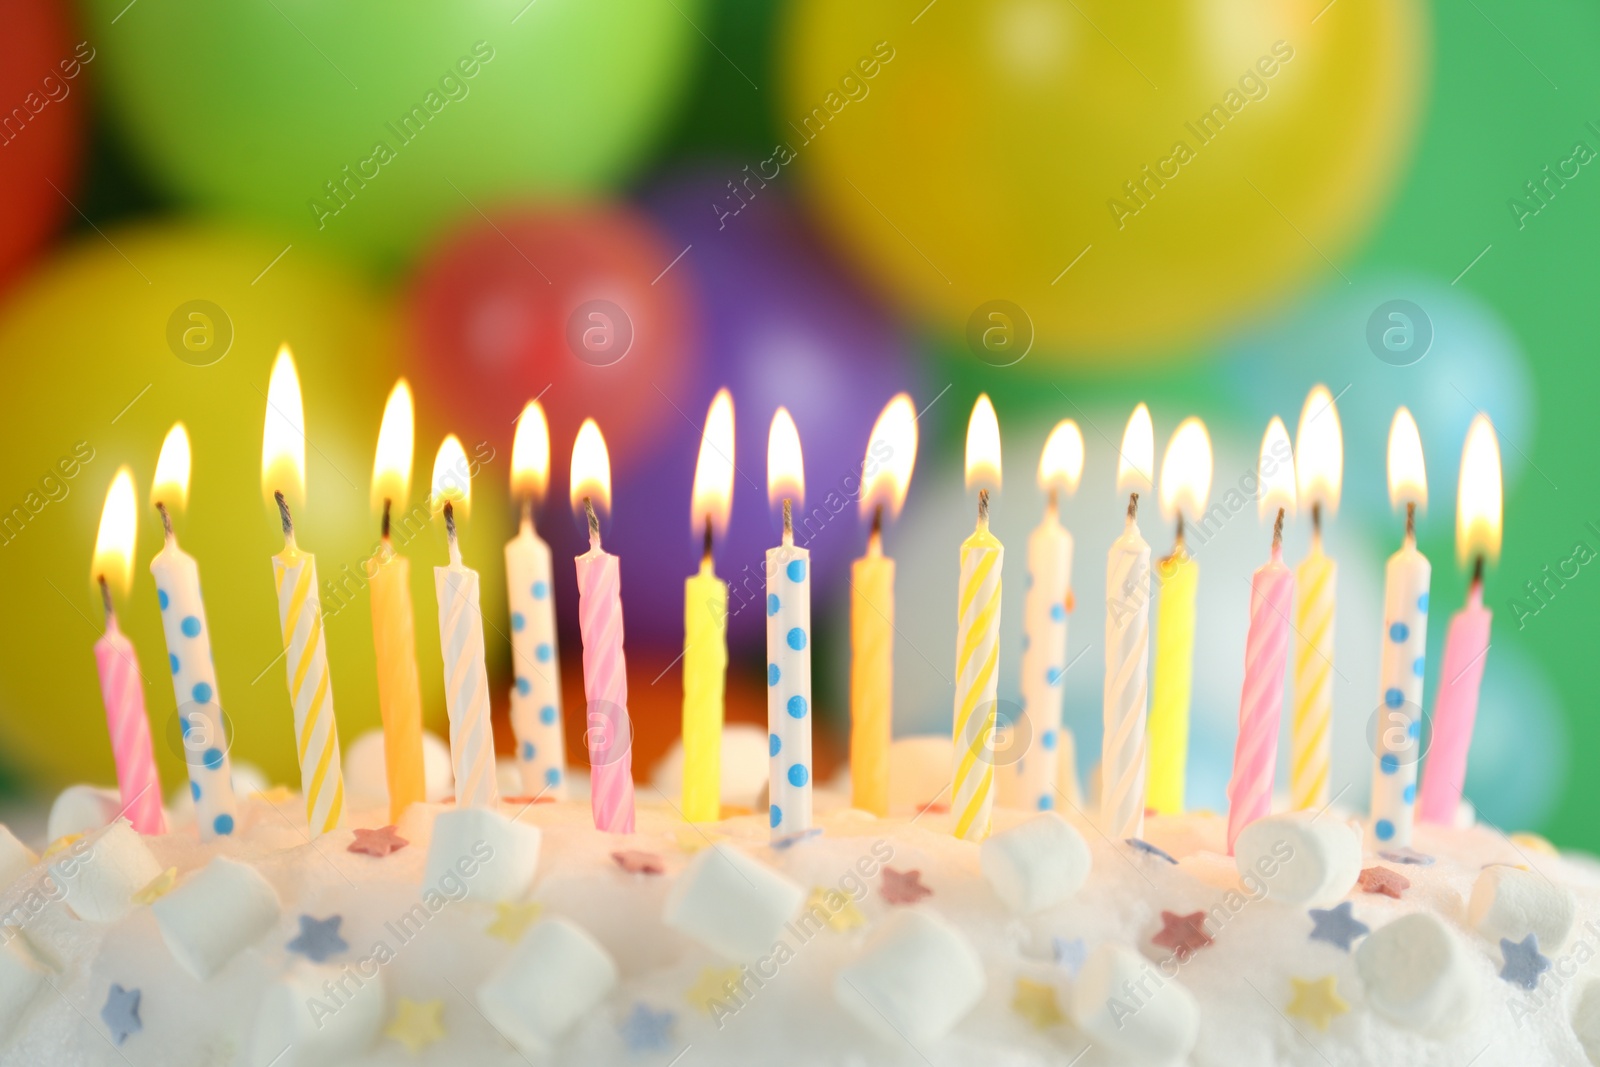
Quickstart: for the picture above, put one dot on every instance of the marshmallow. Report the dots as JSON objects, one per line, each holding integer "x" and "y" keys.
{"x": 1125, "y": 1003}
{"x": 555, "y": 975}
{"x": 917, "y": 978}
{"x": 730, "y": 903}
{"x": 15, "y": 858}
{"x": 1512, "y": 903}
{"x": 21, "y": 976}
{"x": 1037, "y": 864}
{"x": 101, "y": 873}
{"x": 1586, "y": 1020}
{"x": 498, "y": 858}
{"x": 1303, "y": 860}
{"x": 745, "y": 766}
{"x": 216, "y": 914}
{"x": 366, "y": 774}
{"x": 1416, "y": 973}
{"x": 919, "y": 771}
{"x": 79, "y": 809}
{"x": 318, "y": 1015}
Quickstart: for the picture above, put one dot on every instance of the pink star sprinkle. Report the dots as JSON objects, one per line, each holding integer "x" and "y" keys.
{"x": 1183, "y": 934}
{"x": 1383, "y": 880}
{"x": 903, "y": 887}
{"x": 378, "y": 842}
{"x": 635, "y": 862}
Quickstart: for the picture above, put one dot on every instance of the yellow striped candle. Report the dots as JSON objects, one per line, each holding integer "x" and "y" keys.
{"x": 1319, "y": 472}
{"x": 705, "y": 621}
{"x": 977, "y": 637}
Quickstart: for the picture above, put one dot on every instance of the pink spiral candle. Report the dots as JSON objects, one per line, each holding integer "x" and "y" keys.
{"x": 1255, "y": 758}
{"x": 607, "y": 731}
{"x": 120, "y": 687}
{"x": 1465, "y": 651}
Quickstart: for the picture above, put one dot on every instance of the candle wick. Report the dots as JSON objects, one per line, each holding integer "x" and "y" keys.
{"x": 705, "y": 552}
{"x": 594, "y": 521}
{"x": 283, "y": 515}
{"x": 788, "y": 521}
{"x": 166, "y": 520}
{"x": 1477, "y": 571}
{"x": 1177, "y": 541}
{"x": 386, "y": 505}
{"x": 1052, "y": 501}
{"x": 1316, "y": 519}
{"x": 1411, "y": 520}
{"x": 1277, "y": 530}
{"x": 527, "y": 512}
{"x": 1133, "y": 506}
{"x": 105, "y": 597}
{"x": 983, "y": 507}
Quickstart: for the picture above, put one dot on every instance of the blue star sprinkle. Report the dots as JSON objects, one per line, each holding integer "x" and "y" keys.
{"x": 319, "y": 938}
{"x": 1147, "y": 847}
{"x": 1070, "y": 952}
{"x": 1337, "y": 926}
{"x": 121, "y": 1013}
{"x": 1524, "y": 962}
{"x": 1408, "y": 855}
{"x": 647, "y": 1031}
{"x": 795, "y": 839}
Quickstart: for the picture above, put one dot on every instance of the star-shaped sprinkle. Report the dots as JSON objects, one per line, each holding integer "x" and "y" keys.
{"x": 1070, "y": 953}
{"x": 635, "y": 862}
{"x": 379, "y": 842}
{"x": 1036, "y": 1002}
{"x": 511, "y": 921}
{"x": 416, "y": 1023}
{"x": 794, "y": 839}
{"x": 60, "y": 844}
{"x": 524, "y": 801}
{"x": 1150, "y": 850}
{"x": 1408, "y": 855}
{"x": 121, "y": 1013}
{"x": 647, "y": 1031}
{"x": 1184, "y": 935}
{"x": 1337, "y": 926}
{"x": 159, "y": 887}
{"x": 274, "y": 795}
{"x": 319, "y": 938}
{"x": 714, "y": 987}
{"x": 1383, "y": 880}
{"x": 903, "y": 887}
{"x": 1317, "y": 1000}
{"x": 1534, "y": 843}
{"x": 842, "y": 913}
{"x": 1524, "y": 962}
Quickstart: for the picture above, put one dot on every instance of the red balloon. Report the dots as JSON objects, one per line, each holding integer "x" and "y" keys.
{"x": 582, "y": 305}
{"x": 42, "y": 75}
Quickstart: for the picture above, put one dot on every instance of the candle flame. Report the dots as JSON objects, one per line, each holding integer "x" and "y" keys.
{"x": 171, "y": 485}
{"x": 1319, "y": 452}
{"x": 452, "y": 479}
{"x": 530, "y": 454}
{"x": 119, "y": 529}
{"x": 283, "y": 440}
{"x": 1276, "y": 471}
{"x": 712, "y": 496}
{"x": 391, "y": 465}
{"x": 786, "y": 474}
{"x": 1186, "y": 472}
{"x": 1408, "y": 475}
{"x": 891, "y": 456}
{"x": 983, "y": 445}
{"x": 591, "y": 468}
{"x": 1136, "y": 462}
{"x": 1478, "y": 494}
{"x": 1061, "y": 462}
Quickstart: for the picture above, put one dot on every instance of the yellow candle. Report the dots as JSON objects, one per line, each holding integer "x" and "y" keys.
{"x": 1319, "y": 471}
{"x": 705, "y": 621}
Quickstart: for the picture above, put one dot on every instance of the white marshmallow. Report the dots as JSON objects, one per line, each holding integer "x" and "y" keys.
{"x": 15, "y": 858}
{"x": 917, "y": 978}
{"x": 555, "y": 975}
{"x": 1512, "y": 903}
{"x": 1416, "y": 973}
{"x": 366, "y": 775}
{"x": 78, "y": 809}
{"x": 745, "y": 766}
{"x": 212, "y": 917}
{"x": 101, "y": 873}
{"x": 21, "y": 976}
{"x": 1037, "y": 864}
{"x": 1303, "y": 860}
{"x": 731, "y": 903}
{"x": 496, "y": 857}
{"x": 919, "y": 771}
{"x": 305, "y": 1025}
{"x": 1586, "y": 1020}
{"x": 1124, "y": 1002}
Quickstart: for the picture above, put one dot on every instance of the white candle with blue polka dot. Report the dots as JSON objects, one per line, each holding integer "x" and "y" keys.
{"x": 536, "y": 692}
{"x": 788, "y": 643}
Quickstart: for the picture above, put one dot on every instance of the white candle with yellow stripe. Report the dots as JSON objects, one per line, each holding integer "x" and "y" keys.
{"x": 977, "y": 637}
{"x": 283, "y": 458}
{"x": 1319, "y": 471}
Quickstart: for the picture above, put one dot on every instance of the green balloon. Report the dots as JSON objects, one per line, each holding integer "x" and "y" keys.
{"x": 366, "y": 126}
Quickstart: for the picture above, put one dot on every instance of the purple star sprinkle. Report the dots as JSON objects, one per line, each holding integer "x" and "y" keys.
{"x": 1149, "y": 849}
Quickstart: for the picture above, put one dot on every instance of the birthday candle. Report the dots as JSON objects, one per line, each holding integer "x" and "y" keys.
{"x": 1255, "y": 757}
{"x": 788, "y": 641}
{"x": 608, "y": 731}
{"x": 1127, "y": 688}
{"x": 194, "y": 675}
{"x": 1319, "y": 472}
{"x": 977, "y": 636}
{"x": 705, "y": 621}
{"x": 121, "y": 686}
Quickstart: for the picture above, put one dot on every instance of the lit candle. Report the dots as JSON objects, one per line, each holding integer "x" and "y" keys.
{"x": 1478, "y": 507}
{"x": 1031, "y": 781}
{"x": 194, "y": 675}
{"x": 283, "y": 474}
{"x": 1405, "y": 645}
{"x": 1127, "y": 686}
{"x": 1319, "y": 472}
{"x": 1185, "y": 491}
{"x": 788, "y": 640}
{"x": 394, "y": 636}
{"x": 466, "y": 679}
{"x": 705, "y": 620}
{"x": 121, "y": 686}
{"x": 977, "y": 636}
{"x": 885, "y": 477}
{"x": 605, "y": 668}
{"x": 1266, "y": 651}
{"x": 536, "y": 692}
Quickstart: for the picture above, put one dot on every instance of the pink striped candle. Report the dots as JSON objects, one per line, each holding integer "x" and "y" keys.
{"x": 122, "y": 690}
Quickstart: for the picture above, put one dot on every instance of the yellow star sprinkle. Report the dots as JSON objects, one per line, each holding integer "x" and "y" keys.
{"x": 1534, "y": 843}
{"x": 1317, "y": 1001}
{"x": 60, "y": 844}
{"x": 278, "y": 794}
{"x": 715, "y": 986}
{"x": 512, "y": 920}
{"x": 417, "y": 1023}
{"x": 1036, "y": 1002}
{"x": 846, "y": 916}
{"x": 159, "y": 887}
{"x": 693, "y": 839}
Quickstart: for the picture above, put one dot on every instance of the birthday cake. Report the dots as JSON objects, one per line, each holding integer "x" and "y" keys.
{"x": 522, "y": 934}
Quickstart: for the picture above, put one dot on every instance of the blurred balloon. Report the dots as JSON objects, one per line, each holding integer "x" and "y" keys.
{"x": 365, "y": 126}
{"x": 41, "y": 126}
{"x": 109, "y": 344}
{"x": 1126, "y": 176}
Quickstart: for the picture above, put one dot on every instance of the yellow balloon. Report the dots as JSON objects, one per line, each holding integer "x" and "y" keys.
{"x": 1129, "y": 175}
